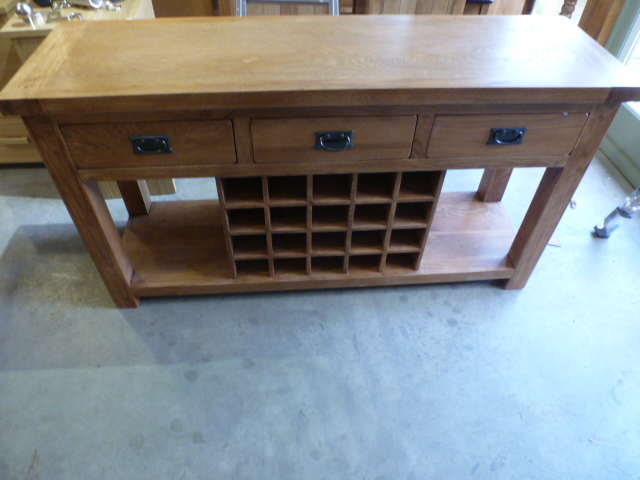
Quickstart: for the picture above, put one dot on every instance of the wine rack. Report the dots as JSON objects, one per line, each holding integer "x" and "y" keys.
{"x": 318, "y": 224}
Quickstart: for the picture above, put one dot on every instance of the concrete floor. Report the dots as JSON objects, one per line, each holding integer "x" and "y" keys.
{"x": 419, "y": 382}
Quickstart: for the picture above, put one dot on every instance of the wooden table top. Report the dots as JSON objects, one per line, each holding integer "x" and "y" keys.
{"x": 16, "y": 28}
{"x": 197, "y": 63}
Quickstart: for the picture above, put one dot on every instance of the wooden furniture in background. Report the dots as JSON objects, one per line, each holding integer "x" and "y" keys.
{"x": 598, "y": 18}
{"x": 497, "y": 7}
{"x": 27, "y": 39}
{"x": 15, "y": 145}
{"x": 420, "y": 7}
{"x": 290, "y": 215}
{"x": 191, "y": 8}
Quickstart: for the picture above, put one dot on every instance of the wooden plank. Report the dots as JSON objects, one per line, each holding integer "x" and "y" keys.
{"x": 424, "y": 7}
{"x": 437, "y": 193}
{"x": 9, "y": 61}
{"x": 191, "y": 8}
{"x": 136, "y": 197}
{"x": 267, "y": 216}
{"x": 382, "y": 165}
{"x": 254, "y": 71}
{"x": 527, "y": 8}
{"x": 553, "y": 195}
{"x": 360, "y": 7}
{"x": 599, "y": 17}
{"x": 17, "y": 154}
{"x": 390, "y": 220}
{"x": 440, "y": 7}
{"x": 458, "y": 7}
{"x": 493, "y": 184}
{"x": 335, "y": 111}
{"x": 407, "y": 7}
{"x": 88, "y": 211}
{"x": 15, "y": 145}
{"x": 162, "y": 186}
{"x": 391, "y": 7}
{"x": 242, "y": 137}
{"x": 224, "y": 219}
{"x": 468, "y": 241}
{"x": 421, "y": 137}
{"x": 506, "y": 7}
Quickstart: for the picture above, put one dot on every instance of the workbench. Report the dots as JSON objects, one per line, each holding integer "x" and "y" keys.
{"x": 328, "y": 140}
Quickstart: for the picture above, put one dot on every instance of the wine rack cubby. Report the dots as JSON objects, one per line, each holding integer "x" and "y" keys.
{"x": 328, "y": 224}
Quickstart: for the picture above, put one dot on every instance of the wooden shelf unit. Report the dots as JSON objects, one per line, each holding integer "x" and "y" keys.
{"x": 327, "y": 219}
{"x": 180, "y": 248}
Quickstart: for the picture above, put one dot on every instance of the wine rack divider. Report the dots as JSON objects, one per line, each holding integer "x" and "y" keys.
{"x": 335, "y": 223}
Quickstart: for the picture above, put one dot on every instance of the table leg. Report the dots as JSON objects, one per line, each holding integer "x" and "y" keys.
{"x": 493, "y": 184}
{"x": 88, "y": 210}
{"x": 553, "y": 195}
{"x": 136, "y": 197}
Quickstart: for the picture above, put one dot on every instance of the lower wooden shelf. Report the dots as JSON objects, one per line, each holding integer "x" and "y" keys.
{"x": 179, "y": 249}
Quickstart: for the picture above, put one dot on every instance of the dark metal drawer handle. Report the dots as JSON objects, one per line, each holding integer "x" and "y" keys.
{"x": 334, "y": 141}
{"x": 151, "y": 145}
{"x": 507, "y": 136}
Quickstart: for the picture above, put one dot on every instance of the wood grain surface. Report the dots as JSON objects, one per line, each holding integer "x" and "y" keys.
{"x": 109, "y": 145}
{"x": 469, "y": 241}
{"x": 467, "y": 135}
{"x": 294, "y": 140}
{"x": 381, "y": 165}
{"x": 253, "y": 62}
{"x": 493, "y": 184}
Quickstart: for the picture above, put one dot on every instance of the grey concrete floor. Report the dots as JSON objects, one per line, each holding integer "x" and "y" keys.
{"x": 418, "y": 382}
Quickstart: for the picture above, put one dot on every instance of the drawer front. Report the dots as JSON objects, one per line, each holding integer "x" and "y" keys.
{"x": 469, "y": 135}
{"x": 294, "y": 139}
{"x": 110, "y": 145}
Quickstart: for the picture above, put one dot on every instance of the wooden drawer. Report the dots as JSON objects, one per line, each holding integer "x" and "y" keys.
{"x": 468, "y": 135}
{"x": 109, "y": 145}
{"x": 294, "y": 139}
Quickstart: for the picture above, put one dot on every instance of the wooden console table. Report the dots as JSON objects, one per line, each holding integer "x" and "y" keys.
{"x": 329, "y": 139}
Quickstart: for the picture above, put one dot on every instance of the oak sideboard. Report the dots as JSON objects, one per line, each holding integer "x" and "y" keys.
{"x": 327, "y": 139}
